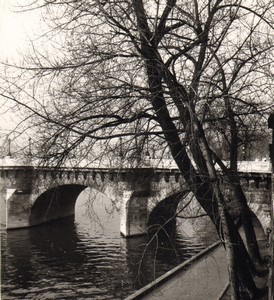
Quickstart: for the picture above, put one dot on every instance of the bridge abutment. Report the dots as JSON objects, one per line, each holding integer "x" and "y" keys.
{"x": 17, "y": 209}
{"x": 134, "y": 214}
{"x": 134, "y": 202}
{"x": 16, "y": 189}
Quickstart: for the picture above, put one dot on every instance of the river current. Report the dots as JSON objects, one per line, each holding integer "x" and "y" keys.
{"x": 85, "y": 257}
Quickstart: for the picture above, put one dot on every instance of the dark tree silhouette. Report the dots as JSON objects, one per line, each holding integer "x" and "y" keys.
{"x": 189, "y": 79}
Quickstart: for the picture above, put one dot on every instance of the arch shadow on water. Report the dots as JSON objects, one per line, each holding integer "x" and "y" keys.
{"x": 176, "y": 240}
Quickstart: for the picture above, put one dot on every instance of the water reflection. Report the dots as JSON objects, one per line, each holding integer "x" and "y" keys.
{"x": 86, "y": 258}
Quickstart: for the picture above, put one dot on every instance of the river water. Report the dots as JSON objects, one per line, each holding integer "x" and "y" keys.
{"x": 85, "y": 257}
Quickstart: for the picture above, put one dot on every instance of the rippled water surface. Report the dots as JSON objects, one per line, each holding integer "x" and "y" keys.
{"x": 86, "y": 258}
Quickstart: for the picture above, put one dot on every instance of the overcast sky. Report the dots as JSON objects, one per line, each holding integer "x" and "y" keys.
{"x": 15, "y": 28}
{"x": 15, "y": 31}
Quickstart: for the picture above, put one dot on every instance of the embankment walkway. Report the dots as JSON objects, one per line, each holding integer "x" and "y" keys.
{"x": 206, "y": 278}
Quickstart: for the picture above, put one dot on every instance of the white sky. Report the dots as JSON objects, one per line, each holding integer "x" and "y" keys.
{"x": 15, "y": 31}
{"x": 15, "y": 28}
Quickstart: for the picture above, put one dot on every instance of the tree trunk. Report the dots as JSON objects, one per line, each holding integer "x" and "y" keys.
{"x": 246, "y": 219}
{"x": 231, "y": 256}
{"x": 244, "y": 213}
{"x": 206, "y": 188}
{"x": 240, "y": 264}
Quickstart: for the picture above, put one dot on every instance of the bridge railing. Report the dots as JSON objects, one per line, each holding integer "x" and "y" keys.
{"x": 166, "y": 163}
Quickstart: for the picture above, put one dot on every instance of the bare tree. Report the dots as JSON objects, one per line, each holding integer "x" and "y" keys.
{"x": 186, "y": 77}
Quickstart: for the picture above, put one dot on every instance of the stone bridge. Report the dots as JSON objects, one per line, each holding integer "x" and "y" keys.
{"x": 35, "y": 195}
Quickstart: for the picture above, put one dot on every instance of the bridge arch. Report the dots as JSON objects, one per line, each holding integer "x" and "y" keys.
{"x": 163, "y": 222}
{"x": 261, "y": 213}
{"x": 162, "y": 215}
{"x": 55, "y": 203}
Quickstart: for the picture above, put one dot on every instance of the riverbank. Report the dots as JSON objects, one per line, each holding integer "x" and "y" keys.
{"x": 204, "y": 276}
{"x": 201, "y": 277}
